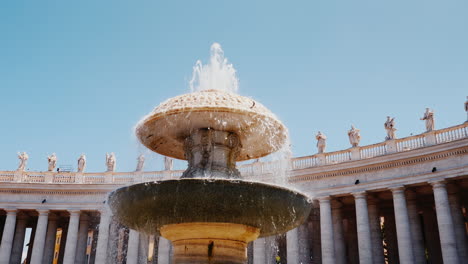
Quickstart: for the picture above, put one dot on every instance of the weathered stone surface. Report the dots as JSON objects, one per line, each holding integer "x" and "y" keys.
{"x": 147, "y": 207}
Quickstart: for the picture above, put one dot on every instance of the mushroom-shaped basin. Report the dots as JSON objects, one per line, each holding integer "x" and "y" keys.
{"x": 166, "y": 127}
{"x": 147, "y": 207}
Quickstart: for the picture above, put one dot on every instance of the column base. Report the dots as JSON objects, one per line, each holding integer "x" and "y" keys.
{"x": 214, "y": 243}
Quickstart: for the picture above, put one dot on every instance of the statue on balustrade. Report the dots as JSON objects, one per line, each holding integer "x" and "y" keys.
{"x": 466, "y": 108}
{"x": 321, "y": 142}
{"x": 110, "y": 161}
{"x": 168, "y": 163}
{"x": 429, "y": 118}
{"x": 81, "y": 163}
{"x": 52, "y": 161}
{"x": 390, "y": 127}
{"x": 23, "y": 157}
{"x": 354, "y": 136}
{"x": 141, "y": 162}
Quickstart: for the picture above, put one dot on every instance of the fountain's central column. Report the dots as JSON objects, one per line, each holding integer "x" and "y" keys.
{"x": 212, "y": 154}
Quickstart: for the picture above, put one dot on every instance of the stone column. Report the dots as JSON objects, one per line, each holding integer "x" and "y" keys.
{"x": 416, "y": 229}
{"x": 132, "y": 247}
{"x": 375, "y": 231}
{"x": 292, "y": 246}
{"x": 143, "y": 248}
{"x": 458, "y": 223}
{"x": 164, "y": 251}
{"x": 103, "y": 236}
{"x": 50, "y": 239}
{"x": 40, "y": 237}
{"x": 363, "y": 228}
{"x": 82, "y": 239}
{"x": 405, "y": 247}
{"x": 303, "y": 236}
{"x": 338, "y": 236}
{"x": 7, "y": 238}
{"x": 326, "y": 231}
{"x": 259, "y": 251}
{"x": 18, "y": 241}
{"x": 445, "y": 223}
{"x": 72, "y": 237}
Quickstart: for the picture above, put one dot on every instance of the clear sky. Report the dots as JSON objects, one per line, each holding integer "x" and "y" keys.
{"x": 75, "y": 76}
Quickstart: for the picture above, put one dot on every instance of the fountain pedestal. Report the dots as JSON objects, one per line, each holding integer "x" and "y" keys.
{"x": 201, "y": 243}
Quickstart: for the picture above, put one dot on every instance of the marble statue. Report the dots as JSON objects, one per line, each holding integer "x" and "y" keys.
{"x": 81, "y": 163}
{"x": 390, "y": 127}
{"x": 141, "y": 162}
{"x": 168, "y": 163}
{"x": 321, "y": 142}
{"x": 466, "y": 108}
{"x": 429, "y": 118}
{"x": 110, "y": 161}
{"x": 23, "y": 157}
{"x": 354, "y": 136}
{"x": 52, "y": 162}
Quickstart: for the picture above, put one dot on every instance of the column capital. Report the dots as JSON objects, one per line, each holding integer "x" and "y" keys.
{"x": 397, "y": 189}
{"x": 411, "y": 195}
{"x": 335, "y": 204}
{"x": 11, "y": 211}
{"x": 84, "y": 217}
{"x": 437, "y": 184}
{"x": 360, "y": 195}
{"x": 324, "y": 199}
{"x": 74, "y": 212}
{"x": 43, "y": 212}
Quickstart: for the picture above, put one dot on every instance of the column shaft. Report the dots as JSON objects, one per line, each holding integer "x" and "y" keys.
{"x": 326, "y": 232}
{"x": 132, "y": 248}
{"x": 259, "y": 251}
{"x": 405, "y": 247}
{"x": 103, "y": 236}
{"x": 7, "y": 238}
{"x": 459, "y": 226}
{"x": 164, "y": 251}
{"x": 72, "y": 238}
{"x": 338, "y": 236}
{"x": 39, "y": 238}
{"x": 416, "y": 231}
{"x": 82, "y": 239}
{"x": 445, "y": 223}
{"x": 18, "y": 241}
{"x": 376, "y": 233}
{"x": 292, "y": 246}
{"x": 363, "y": 228}
{"x": 50, "y": 240}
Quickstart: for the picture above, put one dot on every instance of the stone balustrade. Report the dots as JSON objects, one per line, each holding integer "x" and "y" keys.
{"x": 253, "y": 169}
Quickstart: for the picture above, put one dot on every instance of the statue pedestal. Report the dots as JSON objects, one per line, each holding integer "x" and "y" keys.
{"x": 201, "y": 243}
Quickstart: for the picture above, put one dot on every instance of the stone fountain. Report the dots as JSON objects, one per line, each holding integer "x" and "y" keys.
{"x": 210, "y": 214}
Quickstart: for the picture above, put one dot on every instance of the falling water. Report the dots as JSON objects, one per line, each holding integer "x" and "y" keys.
{"x": 218, "y": 74}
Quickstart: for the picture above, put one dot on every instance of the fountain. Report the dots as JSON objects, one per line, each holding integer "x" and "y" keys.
{"x": 210, "y": 214}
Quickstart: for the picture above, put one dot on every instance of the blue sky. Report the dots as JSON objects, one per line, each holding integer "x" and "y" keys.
{"x": 75, "y": 76}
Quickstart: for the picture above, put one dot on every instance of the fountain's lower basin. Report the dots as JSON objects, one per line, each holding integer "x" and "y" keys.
{"x": 147, "y": 207}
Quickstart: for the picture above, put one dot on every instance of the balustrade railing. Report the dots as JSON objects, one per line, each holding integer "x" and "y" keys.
{"x": 253, "y": 170}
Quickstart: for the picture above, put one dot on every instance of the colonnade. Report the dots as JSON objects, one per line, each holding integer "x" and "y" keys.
{"x": 421, "y": 224}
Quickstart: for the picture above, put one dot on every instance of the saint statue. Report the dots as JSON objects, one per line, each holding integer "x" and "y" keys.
{"x": 81, "y": 163}
{"x": 429, "y": 118}
{"x": 466, "y": 108}
{"x": 168, "y": 163}
{"x": 390, "y": 127}
{"x": 354, "y": 136}
{"x": 110, "y": 161}
{"x": 141, "y": 162}
{"x": 52, "y": 161}
{"x": 23, "y": 157}
{"x": 321, "y": 142}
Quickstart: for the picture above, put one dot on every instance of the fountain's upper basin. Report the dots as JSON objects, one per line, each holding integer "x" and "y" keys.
{"x": 147, "y": 207}
{"x": 168, "y": 125}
